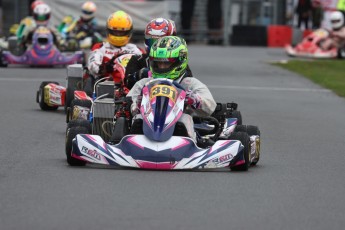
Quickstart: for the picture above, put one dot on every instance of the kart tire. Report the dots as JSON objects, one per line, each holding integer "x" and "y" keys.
{"x": 70, "y": 135}
{"x": 2, "y": 62}
{"x": 40, "y": 97}
{"x": 341, "y": 53}
{"x": 78, "y": 102}
{"x": 120, "y": 130}
{"x": 250, "y": 130}
{"x": 79, "y": 123}
{"x": 245, "y": 140}
{"x": 69, "y": 96}
{"x": 237, "y": 114}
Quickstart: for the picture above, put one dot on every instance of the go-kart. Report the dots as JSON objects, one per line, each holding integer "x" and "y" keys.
{"x": 310, "y": 46}
{"x": 81, "y": 88}
{"x": 42, "y": 52}
{"x": 161, "y": 140}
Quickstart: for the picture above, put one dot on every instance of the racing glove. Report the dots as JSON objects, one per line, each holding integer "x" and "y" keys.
{"x": 131, "y": 79}
{"x": 136, "y": 105}
{"x": 193, "y": 99}
{"x": 95, "y": 62}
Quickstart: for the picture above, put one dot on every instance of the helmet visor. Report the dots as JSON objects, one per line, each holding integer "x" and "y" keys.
{"x": 163, "y": 65}
{"x": 119, "y": 33}
{"x": 334, "y": 21}
{"x": 40, "y": 17}
{"x": 87, "y": 12}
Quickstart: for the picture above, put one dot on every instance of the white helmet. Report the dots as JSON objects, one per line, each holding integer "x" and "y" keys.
{"x": 42, "y": 14}
{"x": 337, "y": 20}
{"x": 88, "y": 10}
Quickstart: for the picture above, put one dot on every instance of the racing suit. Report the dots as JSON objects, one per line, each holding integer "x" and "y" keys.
{"x": 102, "y": 53}
{"x": 202, "y": 100}
{"x": 336, "y": 40}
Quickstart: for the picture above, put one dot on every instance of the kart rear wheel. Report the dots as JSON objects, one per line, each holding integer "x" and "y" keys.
{"x": 79, "y": 123}
{"x": 40, "y": 97}
{"x": 70, "y": 135}
{"x": 245, "y": 140}
{"x": 71, "y": 87}
{"x": 237, "y": 114}
{"x": 251, "y": 130}
{"x": 77, "y": 102}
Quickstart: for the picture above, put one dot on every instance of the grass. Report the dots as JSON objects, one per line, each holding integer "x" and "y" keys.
{"x": 327, "y": 73}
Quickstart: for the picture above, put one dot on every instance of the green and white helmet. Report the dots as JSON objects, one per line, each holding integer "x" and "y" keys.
{"x": 168, "y": 57}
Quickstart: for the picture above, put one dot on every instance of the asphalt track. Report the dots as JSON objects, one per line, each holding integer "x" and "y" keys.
{"x": 298, "y": 183}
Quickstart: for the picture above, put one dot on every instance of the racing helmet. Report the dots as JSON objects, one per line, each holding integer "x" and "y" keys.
{"x": 119, "y": 28}
{"x": 88, "y": 10}
{"x": 41, "y": 14}
{"x": 337, "y": 20}
{"x": 168, "y": 57}
{"x": 34, "y": 4}
{"x": 156, "y": 28}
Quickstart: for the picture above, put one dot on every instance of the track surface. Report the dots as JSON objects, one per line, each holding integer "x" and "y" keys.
{"x": 298, "y": 183}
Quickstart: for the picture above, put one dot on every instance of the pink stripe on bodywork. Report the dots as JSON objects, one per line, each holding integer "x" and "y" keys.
{"x": 78, "y": 157}
{"x": 154, "y": 165}
{"x": 183, "y": 143}
{"x": 131, "y": 140}
{"x": 241, "y": 162}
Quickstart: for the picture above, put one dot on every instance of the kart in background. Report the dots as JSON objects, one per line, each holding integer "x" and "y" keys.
{"x": 42, "y": 52}
{"x": 310, "y": 46}
{"x": 160, "y": 141}
{"x": 81, "y": 89}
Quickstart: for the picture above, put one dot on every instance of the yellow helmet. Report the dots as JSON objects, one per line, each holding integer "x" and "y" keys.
{"x": 119, "y": 28}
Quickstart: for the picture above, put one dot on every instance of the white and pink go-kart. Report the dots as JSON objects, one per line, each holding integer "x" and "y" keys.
{"x": 160, "y": 139}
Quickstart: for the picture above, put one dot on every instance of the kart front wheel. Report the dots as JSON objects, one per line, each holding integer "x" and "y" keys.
{"x": 251, "y": 130}
{"x": 245, "y": 140}
{"x": 70, "y": 135}
{"x": 41, "y": 95}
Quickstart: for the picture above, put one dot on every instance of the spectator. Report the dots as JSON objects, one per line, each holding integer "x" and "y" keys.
{"x": 316, "y": 14}
{"x": 187, "y": 9}
{"x": 214, "y": 21}
{"x": 303, "y": 11}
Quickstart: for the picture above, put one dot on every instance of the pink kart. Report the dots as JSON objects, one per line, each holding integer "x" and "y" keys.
{"x": 310, "y": 46}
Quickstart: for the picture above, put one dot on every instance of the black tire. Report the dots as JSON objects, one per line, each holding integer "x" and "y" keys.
{"x": 254, "y": 130}
{"x": 341, "y": 53}
{"x": 244, "y": 138}
{"x": 70, "y": 94}
{"x": 237, "y": 114}
{"x": 79, "y": 123}
{"x": 70, "y": 135}
{"x": 77, "y": 102}
{"x": 2, "y": 62}
{"x": 120, "y": 130}
{"x": 40, "y": 97}
{"x": 250, "y": 130}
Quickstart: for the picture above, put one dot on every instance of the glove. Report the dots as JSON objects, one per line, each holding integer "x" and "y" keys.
{"x": 135, "y": 106}
{"x": 193, "y": 99}
{"x": 109, "y": 66}
{"x": 131, "y": 79}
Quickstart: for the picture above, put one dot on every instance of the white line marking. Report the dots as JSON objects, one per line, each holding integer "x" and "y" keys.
{"x": 30, "y": 79}
{"x": 269, "y": 88}
{"x": 210, "y": 86}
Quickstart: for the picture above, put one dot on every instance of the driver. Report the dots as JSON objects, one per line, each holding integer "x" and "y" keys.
{"x": 119, "y": 31}
{"x": 169, "y": 60}
{"x": 87, "y": 23}
{"x": 337, "y": 37}
{"x": 41, "y": 15}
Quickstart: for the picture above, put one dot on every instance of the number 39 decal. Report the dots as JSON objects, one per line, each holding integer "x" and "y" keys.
{"x": 163, "y": 90}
